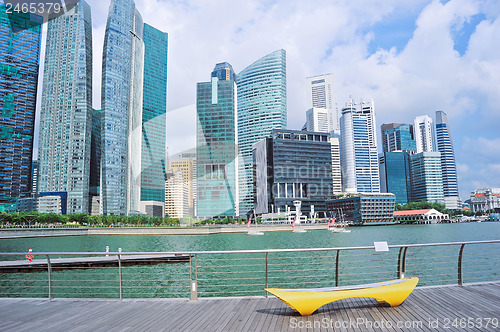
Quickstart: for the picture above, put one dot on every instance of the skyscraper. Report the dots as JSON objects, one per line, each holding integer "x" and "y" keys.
{"x": 398, "y": 143}
{"x": 426, "y": 177}
{"x": 398, "y": 137}
{"x": 20, "y": 36}
{"x": 448, "y": 164}
{"x": 358, "y": 148}
{"x": 317, "y": 120}
{"x": 66, "y": 113}
{"x": 122, "y": 104}
{"x": 261, "y": 108}
{"x": 320, "y": 94}
{"x": 424, "y": 134}
{"x": 216, "y": 144}
{"x": 154, "y": 115}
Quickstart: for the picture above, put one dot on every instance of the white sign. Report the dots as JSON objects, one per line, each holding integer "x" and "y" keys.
{"x": 381, "y": 246}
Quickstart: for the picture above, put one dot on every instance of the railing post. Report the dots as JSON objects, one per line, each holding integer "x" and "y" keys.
{"x": 120, "y": 275}
{"x": 400, "y": 256}
{"x": 403, "y": 264}
{"x": 460, "y": 262}
{"x": 267, "y": 271}
{"x": 49, "y": 267}
{"x": 194, "y": 283}
{"x": 337, "y": 269}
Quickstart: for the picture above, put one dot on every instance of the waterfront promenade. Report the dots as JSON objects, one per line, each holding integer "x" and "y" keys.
{"x": 472, "y": 307}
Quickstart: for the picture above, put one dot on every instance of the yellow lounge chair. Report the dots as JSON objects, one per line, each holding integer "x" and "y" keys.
{"x": 306, "y": 301}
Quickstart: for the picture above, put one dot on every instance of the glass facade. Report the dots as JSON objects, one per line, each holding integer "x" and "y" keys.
{"x": 216, "y": 147}
{"x": 121, "y": 102}
{"x": 261, "y": 108}
{"x": 448, "y": 164}
{"x": 395, "y": 175}
{"x": 358, "y": 149}
{"x": 20, "y": 36}
{"x": 293, "y": 165}
{"x": 426, "y": 177}
{"x": 154, "y": 129}
{"x": 399, "y": 139}
{"x": 66, "y": 112}
{"x": 363, "y": 208}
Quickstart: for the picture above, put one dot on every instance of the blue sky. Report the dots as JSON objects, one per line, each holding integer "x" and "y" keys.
{"x": 411, "y": 57}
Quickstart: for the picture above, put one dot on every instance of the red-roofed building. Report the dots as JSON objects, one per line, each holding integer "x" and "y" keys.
{"x": 425, "y": 216}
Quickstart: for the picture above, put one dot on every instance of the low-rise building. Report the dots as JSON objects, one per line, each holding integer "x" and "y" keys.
{"x": 484, "y": 199}
{"x": 363, "y": 207}
{"x": 424, "y": 216}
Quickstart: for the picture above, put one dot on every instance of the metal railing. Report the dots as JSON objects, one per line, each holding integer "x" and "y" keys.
{"x": 248, "y": 272}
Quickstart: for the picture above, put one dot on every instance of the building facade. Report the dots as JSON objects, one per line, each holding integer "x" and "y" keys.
{"x": 317, "y": 120}
{"x": 423, "y": 132}
{"x": 320, "y": 94}
{"x": 395, "y": 175}
{"x": 154, "y": 128}
{"x": 186, "y": 167}
{"x": 448, "y": 164}
{"x": 398, "y": 137}
{"x": 122, "y": 104}
{"x": 336, "y": 169}
{"x": 358, "y": 148}
{"x": 363, "y": 208}
{"x": 485, "y": 199}
{"x": 20, "y": 37}
{"x": 176, "y": 195}
{"x": 64, "y": 151}
{"x": 261, "y": 108}
{"x": 293, "y": 165}
{"x": 216, "y": 146}
{"x": 426, "y": 177}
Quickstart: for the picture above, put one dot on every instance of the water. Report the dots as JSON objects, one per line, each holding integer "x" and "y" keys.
{"x": 245, "y": 274}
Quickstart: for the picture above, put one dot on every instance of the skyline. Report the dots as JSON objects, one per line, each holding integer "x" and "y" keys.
{"x": 377, "y": 51}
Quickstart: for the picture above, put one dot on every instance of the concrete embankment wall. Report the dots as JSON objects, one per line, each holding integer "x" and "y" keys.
{"x": 9, "y": 233}
{"x": 205, "y": 230}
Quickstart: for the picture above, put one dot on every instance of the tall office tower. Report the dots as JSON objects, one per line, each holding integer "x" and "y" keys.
{"x": 336, "y": 169}
{"x": 66, "y": 112}
{"x": 398, "y": 137}
{"x": 448, "y": 164}
{"x": 122, "y": 103}
{"x": 426, "y": 177}
{"x": 423, "y": 132}
{"x": 176, "y": 195}
{"x": 154, "y": 115}
{"x": 317, "y": 120}
{"x": 216, "y": 145}
{"x": 398, "y": 143}
{"x": 358, "y": 148}
{"x": 261, "y": 108}
{"x": 286, "y": 170}
{"x": 186, "y": 167}
{"x": 320, "y": 95}
{"x": 20, "y": 36}
{"x": 395, "y": 175}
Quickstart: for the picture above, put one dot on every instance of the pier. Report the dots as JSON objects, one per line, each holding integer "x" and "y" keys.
{"x": 471, "y": 307}
{"x": 88, "y": 262}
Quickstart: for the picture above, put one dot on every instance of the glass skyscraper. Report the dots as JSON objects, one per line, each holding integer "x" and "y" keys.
{"x": 20, "y": 36}
{"x": 261, "y": 108}
{"x": 398, "y": 144}
{"x": 122, "y": 104}
{"x": 154, "y": 115}
{"x": 358, "y": 149}
{"x": 66, "y": 113}
{"x": 216, "y": 144}
{"x": 426, "y": 177}
{"x": 448, "y": 164}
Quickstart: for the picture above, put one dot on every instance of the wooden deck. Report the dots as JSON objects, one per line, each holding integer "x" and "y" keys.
{"x": 442, "y": 308}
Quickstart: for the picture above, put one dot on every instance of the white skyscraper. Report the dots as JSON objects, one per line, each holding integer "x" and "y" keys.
{"x": 358, "y": 148}
{"x": 317, "y": 120}
{"x": 319, "y": 91}
{"x": 423, "y": 131}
